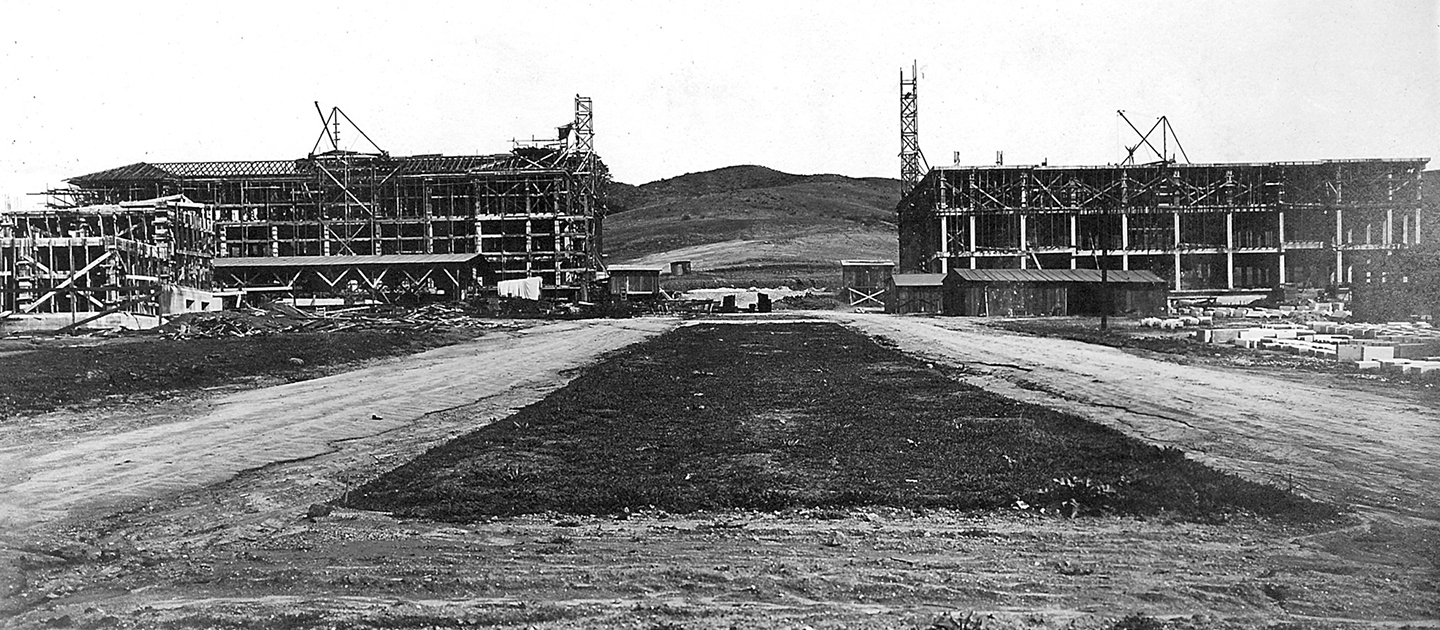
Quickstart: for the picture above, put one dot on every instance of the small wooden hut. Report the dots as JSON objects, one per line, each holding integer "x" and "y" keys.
{"x": 915, "y": 293}
{"x": 863, "y": 282}
{"x": 634, "y": 282}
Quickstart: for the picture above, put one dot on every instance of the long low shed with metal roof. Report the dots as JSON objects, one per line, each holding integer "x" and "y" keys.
{"x": 1037, "y": 292}
{"x": 394, "y": 276}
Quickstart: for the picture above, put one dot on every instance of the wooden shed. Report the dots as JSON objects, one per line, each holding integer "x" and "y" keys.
{"x": 634, "y": 282}
{"x": 863, "y": 282}
{"x": 915, "y": 293}
{"x": 1040, "y": 292}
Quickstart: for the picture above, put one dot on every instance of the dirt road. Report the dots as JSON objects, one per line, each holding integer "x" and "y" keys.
{"x": 202, "y": 444}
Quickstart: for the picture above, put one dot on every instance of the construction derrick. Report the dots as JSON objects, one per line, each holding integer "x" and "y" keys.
{"x": 1167, "y": 133}
{"x": 376, "y": 226}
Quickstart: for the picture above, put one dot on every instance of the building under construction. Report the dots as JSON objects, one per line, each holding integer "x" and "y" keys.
{"x": 124, "y": 265}
{"x": 341, "y": 223}
{"x": 1204, "y": 228}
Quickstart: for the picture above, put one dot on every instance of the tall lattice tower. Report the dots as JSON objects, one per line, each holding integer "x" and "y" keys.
{"x": 588, "y": 178}
{"x": 910, "y": 157}
{"x": 585, "y": 144}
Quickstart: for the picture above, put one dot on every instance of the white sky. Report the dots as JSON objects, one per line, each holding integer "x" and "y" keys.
{"x": 803, "y": 87}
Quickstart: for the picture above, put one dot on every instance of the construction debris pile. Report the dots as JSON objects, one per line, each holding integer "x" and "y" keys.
{"x": 277, "y": 318}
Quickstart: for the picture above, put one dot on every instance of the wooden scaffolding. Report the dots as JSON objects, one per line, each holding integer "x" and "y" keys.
{"x": 99, "y": 259}
{"x": 1204, "y": 228}
{"x": 533, "y": 212}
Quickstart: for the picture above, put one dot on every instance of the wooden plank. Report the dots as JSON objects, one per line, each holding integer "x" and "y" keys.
{"x": 68, "y": 281}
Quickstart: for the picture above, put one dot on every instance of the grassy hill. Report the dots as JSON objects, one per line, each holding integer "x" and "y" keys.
{"x": 753, "y": 225}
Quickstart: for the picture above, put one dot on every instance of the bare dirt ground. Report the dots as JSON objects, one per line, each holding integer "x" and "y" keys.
{"x": 72, "y": 466}
{"x": 206, "y": 523}
{"x": 1333, "y": 439}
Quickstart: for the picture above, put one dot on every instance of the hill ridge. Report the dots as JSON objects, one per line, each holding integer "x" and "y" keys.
{"x": 754, "y": 217}
{"x": 728, "y": 179}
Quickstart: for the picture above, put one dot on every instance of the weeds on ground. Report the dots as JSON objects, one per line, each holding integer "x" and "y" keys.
{"x": 1137, "y": 621}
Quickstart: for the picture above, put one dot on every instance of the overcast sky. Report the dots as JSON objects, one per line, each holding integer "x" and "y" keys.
{"x": 804, "y": 87}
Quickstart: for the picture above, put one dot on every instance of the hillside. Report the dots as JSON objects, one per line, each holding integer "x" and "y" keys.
{"x": 751, "y": 223}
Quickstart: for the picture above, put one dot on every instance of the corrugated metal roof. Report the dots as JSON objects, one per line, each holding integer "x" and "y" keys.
{"x": 866, "y": 263}
{"x": 633, "y": 268}
{"x": 343, "y": 261}
{"x": 137, "y": 171}
{"x": 918, "y": 279}
{"x": 1056, "y": 275}
{"x": 420, "y": 164}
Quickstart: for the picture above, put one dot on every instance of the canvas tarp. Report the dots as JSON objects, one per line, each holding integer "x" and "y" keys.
{"x": 527, "y": 288}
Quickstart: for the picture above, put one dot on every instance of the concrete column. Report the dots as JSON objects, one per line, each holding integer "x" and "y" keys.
{"x": 1176, "y": 237}
{"x": 1229, "y": 250}
{"x": 1389, "y": 227}
{"x": 1280, "y": 245}
{"x": 1125, "y": 242}
{"x": 944, "y": 244}
{"x": 1074, "y": 238}
{"x": 972, "y": 241}
{"x": 1416, "y": 240}
{"x": 1024, "y": 257}
{"x": 1339, "y": 241}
